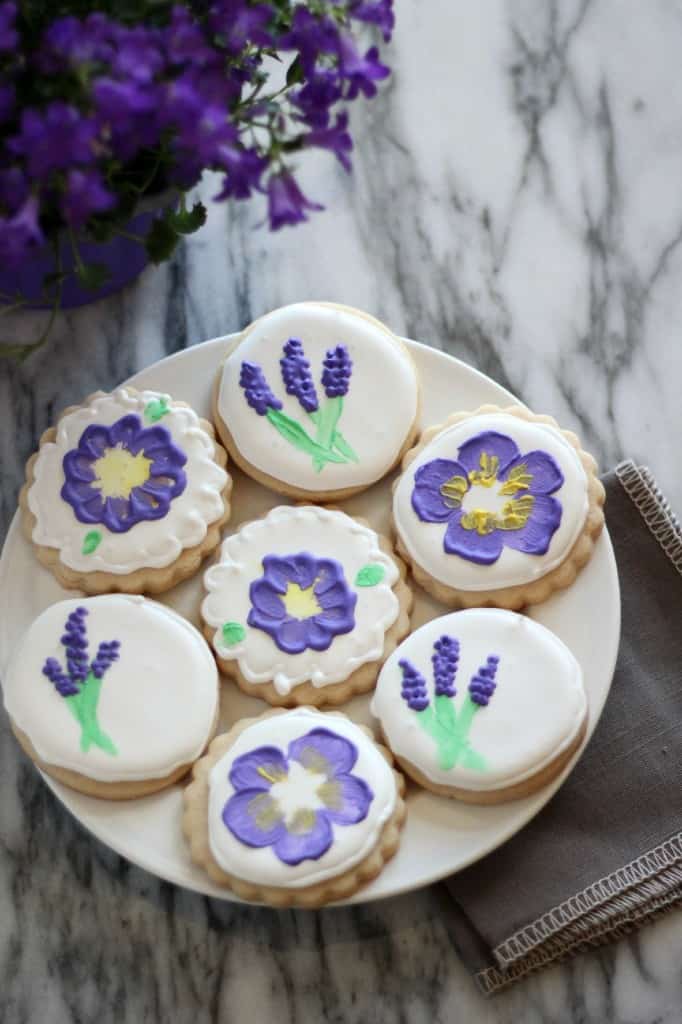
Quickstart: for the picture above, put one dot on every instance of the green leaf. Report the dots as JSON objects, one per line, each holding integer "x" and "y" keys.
{"x": 295, "y": 72}
{"x": 233, "y": 633}
{"x": 294, "y": 433}
{"x": 476, "y": 762}
{"x": 157, "y": 408}
{"x": 186, "y": 221}
{"x": 91, "y": 542}
{"x": 339, "y": 442}
{"x": 92, "y": 275}
{"x": 370, "y": 575}
{"x": 161, "y": 240}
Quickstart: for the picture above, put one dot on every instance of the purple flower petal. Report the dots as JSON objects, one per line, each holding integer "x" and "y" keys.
{"x": 266, "y": 600}
{"x": 279, "y": 571}
{"x": 305, "y": 570}
{"x": 325, "y": 752}
{"x": 78, "y": 466}
{"x": 346, "y": 799}
{"x": 490, "y": 442}
{"x": 253, "y": 817}
{"x": 427, "y": 501}
{"x": 258, "y": 769}
{"x": 294, "y": 847}
{"x": 291, "y": 635}
{"x": 482, "y": 549}
{"x": 318, "y": 635}
{"x": 546, "y": 474}
{"x": 534, "y": 538}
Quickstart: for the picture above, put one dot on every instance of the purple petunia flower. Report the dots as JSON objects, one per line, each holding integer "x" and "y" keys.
{"x": 70, "y": 41}
{"x": 445, "y": 660}
{"x": 302, "y": 602}
{"x": 375, "y": 12}
{"x": 361, "y": 72}
{"x": 413, "y": 689}
{"x": 239, "y": 24}
{"x": 54, "y": 138}
{"x": 255, "y": 816}
{"x": 482, "y": 685}
{"x": 85, "y": 194}
{"x": 20, "y": 235}
{"x": 123, "y": 474}
{"x": 336, "y": 372}
{"x": 336, "y": 138}
{"x": 129, "y": 112}
{"x": 491, "y": 496}
{"x": 296, "y": 375}
{"x": 286, "y": 202}
{"x": 311, "y": 36}
{"x": 9, "y": 37}
{"x": 322, "y": 90}
{"x": 256, "y": 389}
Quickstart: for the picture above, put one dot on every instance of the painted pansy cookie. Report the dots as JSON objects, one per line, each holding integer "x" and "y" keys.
{"x": 483, "y": 705}
{"x": 497, "y": 507}
{"x": 115, "y": 695}
{"x": 317, "y": 400}
{"x": 304, "y": 605}
{"x": 294, "y": 808}
{"x": 126, "y": 493}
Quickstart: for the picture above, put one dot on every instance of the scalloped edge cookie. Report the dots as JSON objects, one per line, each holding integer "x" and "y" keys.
{"x": 362, "y": 680}
{"x": 517, "y": 597}
{"x": 141, "y": 581}
{"x": 195, "y": 829}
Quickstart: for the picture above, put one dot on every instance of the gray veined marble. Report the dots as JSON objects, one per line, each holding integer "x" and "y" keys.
{"x": 516, "y": 201}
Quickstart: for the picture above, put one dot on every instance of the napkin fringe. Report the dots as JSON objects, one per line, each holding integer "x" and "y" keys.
{"x": 654, "y": 509}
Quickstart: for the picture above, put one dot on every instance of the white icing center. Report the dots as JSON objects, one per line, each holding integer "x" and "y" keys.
{"x": 535, "y": 711}
{"x": 148, "y": 544}
{"x": 298, "y": 792}
{"x": 424, "y": 540}
{"x": 351, "y": 843}
{"x": 157, "y": 702}
{"x": 288, "y": 530}
{"x": 378, "y": 409}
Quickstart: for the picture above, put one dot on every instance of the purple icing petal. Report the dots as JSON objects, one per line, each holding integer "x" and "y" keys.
{"x": 484, "y": 550}
{"x": 124, "y": 433}
{"x": 93, "y": 441}
{"x": 534, "y": 538}
{"x": 347, "y": 799}
{"x": 318, "y": 636}
{"x": 293, "y": 848}
{"x": 280, "y": 571}
{"x": 78, "y": 467}
{"x": 142, "y": 508}
{"x": 544, "y": 470}
{"x": 491, "y": 443}
{"x": 292, "y": 635}
{"x": 332, "y": 594}
{"x": 266, "y": 600}
{"x": 114, "y": 515}
{"x": 305, "y": 569}
{"x": 243, "y": 812}
{"x": 427, "y": 501}
{"x": 324, "y": 751}
{"x": 251, "y": 771}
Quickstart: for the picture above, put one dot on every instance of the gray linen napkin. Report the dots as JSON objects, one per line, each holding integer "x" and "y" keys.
{"x": 605, "y": 855}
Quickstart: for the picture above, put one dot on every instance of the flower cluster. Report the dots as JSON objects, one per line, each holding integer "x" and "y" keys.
{"x": 98, "y": 110}
{"x": 75, "y": 644}
{"x": 336, "y": 372}
{"x": 482, "y": 685}
{"x": 413, "y": 689}
{"x": 298, "y": 380}
{"x": 445, "y": 661}
{"x": 256, "y": 389}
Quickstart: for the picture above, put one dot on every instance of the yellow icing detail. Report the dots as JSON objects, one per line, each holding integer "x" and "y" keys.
{"x": 313, "y": 761}
{"x": 330, "y": 795}
{"x": 486, "y": 476}
{"x": 479, "y": 520}
{"x": 264, "y": 811}
{"x": 303, "y": 821}
{"x": 117, "y": 472}
{"x": 271, "y": 774}
{"x": 453, "y": 490}
{"x": 302, "y": 604}
{"x": 513, "y": 516}
{"x": 518, "y": 480}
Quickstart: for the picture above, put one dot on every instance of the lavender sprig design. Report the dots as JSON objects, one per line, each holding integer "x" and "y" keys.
{"x": 81, "y": 684}
{"x": 439, "y": 718}
{"x": 328, "y": 444}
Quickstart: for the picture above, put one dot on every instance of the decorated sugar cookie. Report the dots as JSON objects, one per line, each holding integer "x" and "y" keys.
{"x": 304, "y": 605}
{"x": 113, "y": 695}
{"x": 317, "y": 400}
{"x": 484, "y": 705}
{"x": 126, "y": 493}
{"x": 497, "y": 507}
{"x": 295, "y": 807}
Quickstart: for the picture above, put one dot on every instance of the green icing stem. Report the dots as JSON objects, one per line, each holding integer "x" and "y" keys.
{"x": 451, "y": 732}
{"x": 83, "y": 707}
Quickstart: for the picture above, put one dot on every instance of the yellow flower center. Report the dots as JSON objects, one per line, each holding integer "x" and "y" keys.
{"x": 485, "y": 510}
{"x": 118, "y": 471}
{"x": 301, "y": 603}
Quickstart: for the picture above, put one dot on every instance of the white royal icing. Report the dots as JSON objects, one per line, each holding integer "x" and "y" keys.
{"x": 535, "y": 712}
{"x": 424, "y": 541}
{"x": 287, "y": 530}
{"x": 148, "y": 544}
{"x": 351, "y": 843}
{"x": 157, "y": 702}
{"x": 378, "y": 410}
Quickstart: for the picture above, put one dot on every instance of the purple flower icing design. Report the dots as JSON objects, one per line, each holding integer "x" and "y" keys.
{"x": 491, "y": 496}
{"x": 255, "y": 815}
{"x": 297, "y": 377}
{"x": 123, "y": 474}
{"x": 302, "y": 602}
{"x": 336, "y": 373}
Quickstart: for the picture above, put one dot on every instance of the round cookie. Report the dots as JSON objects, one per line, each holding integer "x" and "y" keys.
{"x": 127, "y": 493}
{"x": 294, "y": 808}
{"x": 497, "y": 507}
{"x": 483, "y": 705}
{"x": 317, "y": 401}
{"x": 304, "y": 606}
{"x": 115, "y": 696}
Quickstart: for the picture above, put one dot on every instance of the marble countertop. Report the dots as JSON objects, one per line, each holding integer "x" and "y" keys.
{"x": 516, "y": 201}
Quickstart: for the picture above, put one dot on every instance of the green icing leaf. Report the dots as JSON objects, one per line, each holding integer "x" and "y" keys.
{"x": 370, "y": 575}
{"x": 91, "y": 542}
{"x": 294, "y": 433}
{"x": 233, "y": 633}
{"x": 155, "y": 409}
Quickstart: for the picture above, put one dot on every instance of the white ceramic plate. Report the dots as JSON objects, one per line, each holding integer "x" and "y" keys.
{"x": 441, "y": 836}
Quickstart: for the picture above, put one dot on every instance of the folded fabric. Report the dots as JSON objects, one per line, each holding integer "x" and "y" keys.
{"x": 605, "y": 855}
